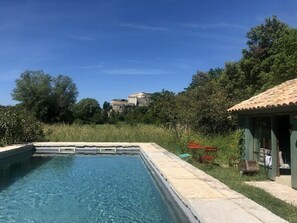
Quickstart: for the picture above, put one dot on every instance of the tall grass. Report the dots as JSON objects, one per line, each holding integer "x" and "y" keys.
{"x": 227, "y": 144}
{"x": 111, "y": 133}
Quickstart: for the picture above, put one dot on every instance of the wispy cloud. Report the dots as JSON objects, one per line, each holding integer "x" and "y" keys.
{"x": 82, "y": 38}
{"x": 89, "y": 66}
{"x": 220, "y": 38}
{"x": 133, "y": 71}
{"x": 214, "y": 25}
{"x": 86, "y": 66}
{"x": 143, "y": 27}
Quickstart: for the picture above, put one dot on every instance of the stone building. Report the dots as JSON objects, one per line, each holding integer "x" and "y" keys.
{"x": 137, "y": 99}
{"x": 118, "y": 105}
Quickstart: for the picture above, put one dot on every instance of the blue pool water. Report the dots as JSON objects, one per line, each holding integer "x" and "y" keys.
{"x": 80, "y": 189}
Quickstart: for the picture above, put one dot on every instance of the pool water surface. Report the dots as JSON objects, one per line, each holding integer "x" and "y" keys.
{"x": 81, "y": 189}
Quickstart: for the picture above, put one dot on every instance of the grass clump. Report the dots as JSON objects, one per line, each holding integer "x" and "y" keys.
{"x": 111, "y": 133}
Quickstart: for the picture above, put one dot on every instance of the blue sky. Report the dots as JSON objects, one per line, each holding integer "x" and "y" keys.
{"x": 111, "y": 48}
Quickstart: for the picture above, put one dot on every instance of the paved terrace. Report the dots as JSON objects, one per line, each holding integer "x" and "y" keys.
{"x": 207, "y": 198}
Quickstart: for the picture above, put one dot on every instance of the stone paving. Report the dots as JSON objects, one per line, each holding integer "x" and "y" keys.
{"x": 280, "y": 191}
{"x": 207, "y": 198}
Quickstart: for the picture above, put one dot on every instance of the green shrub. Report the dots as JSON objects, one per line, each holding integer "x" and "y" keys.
{"x": 18, "y": 126}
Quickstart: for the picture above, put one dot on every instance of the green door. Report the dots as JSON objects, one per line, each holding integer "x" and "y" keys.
{"x": 272, "y": 171}
{"x": 294, "y": 150}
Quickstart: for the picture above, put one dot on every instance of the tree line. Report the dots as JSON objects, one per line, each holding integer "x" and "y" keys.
{"x": 269, "y": 59}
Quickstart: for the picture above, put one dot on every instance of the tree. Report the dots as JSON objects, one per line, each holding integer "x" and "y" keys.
{"x": 260, "y": 41}
{"x": 64, "y": 94}
{"x": 203, "y": 108}
{"x": 199, "y": 79}
{"x": 163, "y": 108}
{"x": 106, "y": 108}
{"x": 138, "y": 114}
{"x": 262, "y": 37}
{"x": 88, "y": 110}
{"x": 282, "y": 61}
{"x": 234, "y": 82}
{"x": 34, "y": 91}
{"x": 50, "y": 99}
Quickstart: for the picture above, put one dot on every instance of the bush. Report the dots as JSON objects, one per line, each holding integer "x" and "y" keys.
{"x": 18, "y": 126}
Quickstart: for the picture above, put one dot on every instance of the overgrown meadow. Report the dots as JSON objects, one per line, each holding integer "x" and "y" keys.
{"x": 227, "y": 144}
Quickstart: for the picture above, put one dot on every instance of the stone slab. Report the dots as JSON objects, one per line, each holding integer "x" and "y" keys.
{"x": 280, "y": 191}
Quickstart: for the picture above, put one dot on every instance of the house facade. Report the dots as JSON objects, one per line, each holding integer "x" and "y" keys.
{"x": 269, "y": 122}
{"x": 137, "y": 99}
{"x": 118, "y": 105}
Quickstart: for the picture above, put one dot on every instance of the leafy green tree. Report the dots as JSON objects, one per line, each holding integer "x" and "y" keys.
{"x": 163, "y": 108}
{"x": 212, "y": 116}
{"x": 106, "y": 108}
{"x": 262, "y": 37}
{"x": 204, "y": 107}
{"x": 64, "y": 94}
{"x": 187, "y": 108}
{"x": 260, "y": 41}
{"x": 113, "y": 117}
{"x": 50, "y": 99}
{"x": 199, "y": 79}
{"x": 138, "y": 115}
{"x": 34, "y": 91}
{"x": 282, "y": 61}
{"x": 233, "y": 81}
{"x": 87, "y": 110}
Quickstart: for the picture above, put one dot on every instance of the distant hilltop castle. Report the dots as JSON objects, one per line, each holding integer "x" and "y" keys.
{"x": 137, "y": 99}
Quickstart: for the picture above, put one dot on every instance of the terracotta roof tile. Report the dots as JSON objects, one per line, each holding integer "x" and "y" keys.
{"x": 282, "y": 95}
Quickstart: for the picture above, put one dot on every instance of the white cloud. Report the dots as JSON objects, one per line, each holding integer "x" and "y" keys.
{"x": 132, "y": 71}
{"x": 214, "y": 25}
{"x": 91, "y": 66}
{"x": 143, "y": 27}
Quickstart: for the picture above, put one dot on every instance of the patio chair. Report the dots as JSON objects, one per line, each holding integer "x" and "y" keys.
{"x": 209, "y": 154}
{"x": 184, "y": 156}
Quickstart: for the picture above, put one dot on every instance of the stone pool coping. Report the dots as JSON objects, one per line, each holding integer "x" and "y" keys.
{"x": 206, "y": 197}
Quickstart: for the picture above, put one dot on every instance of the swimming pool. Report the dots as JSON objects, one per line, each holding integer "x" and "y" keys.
{"x": 81, "y": 189}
